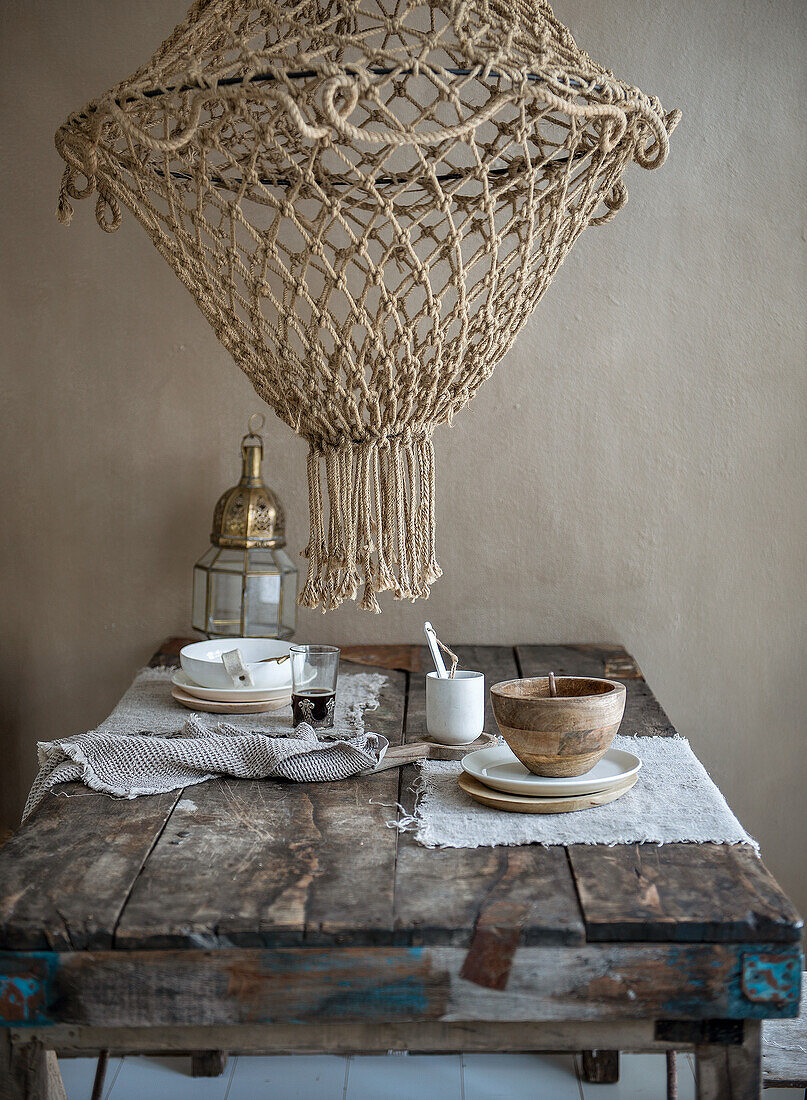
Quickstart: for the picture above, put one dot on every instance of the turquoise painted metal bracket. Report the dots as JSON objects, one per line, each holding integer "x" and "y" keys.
{"x": 771, "y": 978}
{"x": 27, "y": 988}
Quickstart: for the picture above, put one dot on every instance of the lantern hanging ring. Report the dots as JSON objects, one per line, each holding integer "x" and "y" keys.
{"x": 254, "y": 424}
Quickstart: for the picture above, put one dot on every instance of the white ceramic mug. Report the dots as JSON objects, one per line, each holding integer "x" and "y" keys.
{"x": 455, "y": 709}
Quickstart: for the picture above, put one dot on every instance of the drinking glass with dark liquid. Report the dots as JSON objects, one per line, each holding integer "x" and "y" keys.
{"x": 314, "y": 671}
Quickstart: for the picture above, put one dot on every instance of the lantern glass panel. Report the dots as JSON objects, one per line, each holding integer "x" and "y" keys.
{"x": 245, "y": 593}
{"x": 270, "y": 594}
{"x": 229, "y": 560}
{"x": 224, "y": 603}
{"x": 199, "y": 619}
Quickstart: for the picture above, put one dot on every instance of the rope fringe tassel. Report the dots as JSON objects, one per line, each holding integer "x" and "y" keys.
{"x": 380, "y": 523}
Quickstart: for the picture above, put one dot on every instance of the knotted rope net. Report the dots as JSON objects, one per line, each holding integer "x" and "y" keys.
{"x": 366, "y": 200}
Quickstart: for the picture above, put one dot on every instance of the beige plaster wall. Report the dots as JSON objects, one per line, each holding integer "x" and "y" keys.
{"x": 634, "y": 471}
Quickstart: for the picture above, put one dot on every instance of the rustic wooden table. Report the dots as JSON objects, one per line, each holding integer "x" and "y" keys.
{"x": 274, "y": 917}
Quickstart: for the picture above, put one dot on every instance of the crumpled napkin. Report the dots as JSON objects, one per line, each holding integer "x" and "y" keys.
{"x": 129, "y": 765}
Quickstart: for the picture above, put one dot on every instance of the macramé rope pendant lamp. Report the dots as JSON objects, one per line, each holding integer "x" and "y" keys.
{"x": 367, "y": 199}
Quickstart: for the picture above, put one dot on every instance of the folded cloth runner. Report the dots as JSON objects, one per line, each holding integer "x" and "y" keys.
{"x": 149, "y": 744}
{"x": 673, "y": 800}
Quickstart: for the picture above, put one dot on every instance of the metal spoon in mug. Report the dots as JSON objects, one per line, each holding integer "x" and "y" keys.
{"x": 277, "y": 660}
{"x": 437, "y": 657}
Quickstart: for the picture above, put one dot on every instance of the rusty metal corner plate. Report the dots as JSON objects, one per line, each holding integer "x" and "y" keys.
{"x": 771, "y": 978}
{"x": 26, "y": 985}
{"x": 490, "y": 956}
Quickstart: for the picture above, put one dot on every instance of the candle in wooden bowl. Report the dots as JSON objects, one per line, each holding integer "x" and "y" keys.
{"x": 562, "y": 734}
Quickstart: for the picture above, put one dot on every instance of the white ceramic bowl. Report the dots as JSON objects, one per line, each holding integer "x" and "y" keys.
{"x": 202, "y": 662}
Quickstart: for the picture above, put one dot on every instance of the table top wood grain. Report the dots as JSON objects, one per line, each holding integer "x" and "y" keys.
{"x": 235, "y": 863}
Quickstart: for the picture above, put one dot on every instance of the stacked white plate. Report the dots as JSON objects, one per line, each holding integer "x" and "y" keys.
{"x": 497, "y": 778}
{"x": 272, "y": 691}
{"x": 228, "y": 700}
{"x": 499, "y": 767}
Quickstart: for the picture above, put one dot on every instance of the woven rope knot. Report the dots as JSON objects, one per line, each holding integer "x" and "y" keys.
{"x": 347, "y": 87}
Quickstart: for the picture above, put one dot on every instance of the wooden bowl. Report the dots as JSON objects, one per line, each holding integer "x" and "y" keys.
{"x": 559, "y": 735}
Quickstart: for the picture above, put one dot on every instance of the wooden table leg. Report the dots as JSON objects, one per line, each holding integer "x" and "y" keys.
{"x": 208, "y": 1063}
{"x": 601, "y": 1067}
{"x": 27, "y": 1072}
{"x": 672, "y": 1076}
{"x": 731, "y": 1072}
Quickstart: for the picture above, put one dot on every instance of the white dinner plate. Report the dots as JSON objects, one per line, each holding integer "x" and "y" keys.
{"x": 498, "y": 767}
{"x": 211, "y": 706}
{"x": 181, "y": 680}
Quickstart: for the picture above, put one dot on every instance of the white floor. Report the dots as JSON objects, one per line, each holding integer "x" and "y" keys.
{"x": 393, "y": 1077}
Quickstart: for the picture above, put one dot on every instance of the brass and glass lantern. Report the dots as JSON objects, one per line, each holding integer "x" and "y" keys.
{"x": 245, "y": 584}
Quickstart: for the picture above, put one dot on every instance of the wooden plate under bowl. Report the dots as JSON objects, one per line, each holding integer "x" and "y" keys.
{"x": 207, "y": 706}
{"x": 533, "y": 804}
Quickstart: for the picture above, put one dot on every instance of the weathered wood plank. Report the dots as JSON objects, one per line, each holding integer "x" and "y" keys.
{"x": 601, "y": 1067}
{"x": 596, "y": 981}
{"x": 441, "y": 896}
{"x": 643, "y": 713}
{"x": 730, "y": 1072}
{"x": 66, "y": 873}
{"x": 592, "y": 982}
{"x": 351, "y": 900}
{"x": 208, "y": 1063}
{"x": 354, "y": 1037}
{"x": 405, "y": 658}
{"x": 563, "y": 660}
{"x": 680, "y": 892}
{"x": 784, "y": 1049}
{"x": 29, "y": 1072}
{"x": 268, "y": 863}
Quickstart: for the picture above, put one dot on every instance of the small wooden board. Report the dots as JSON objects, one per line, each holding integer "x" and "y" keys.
{"x": 412, "y": 753}
{"x": 209, "y": 706}
{"x": 531, "y": 804}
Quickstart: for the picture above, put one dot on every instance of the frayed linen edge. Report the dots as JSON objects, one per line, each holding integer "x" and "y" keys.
{"x": 750, "y": 843}
{"x": 160, "y": 673}
{"x": 411, "y": 824}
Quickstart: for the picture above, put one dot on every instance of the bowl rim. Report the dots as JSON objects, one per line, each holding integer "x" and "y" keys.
{"x": 232, "y": 643}
{"x": 498, "y": 690}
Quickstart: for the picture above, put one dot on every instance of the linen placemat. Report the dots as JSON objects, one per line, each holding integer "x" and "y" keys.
{"x": 149, "y": 744}
{"x": 674, "y": 800}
